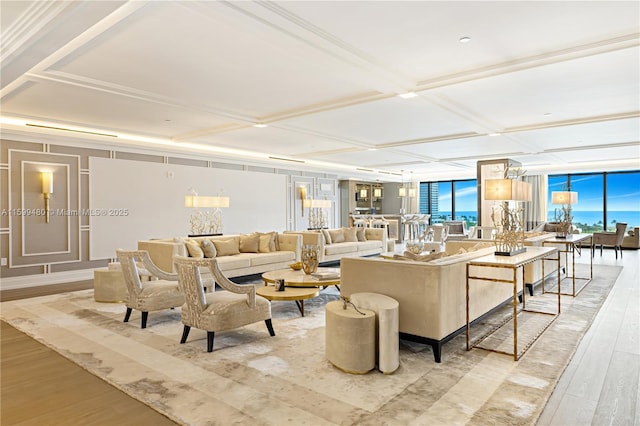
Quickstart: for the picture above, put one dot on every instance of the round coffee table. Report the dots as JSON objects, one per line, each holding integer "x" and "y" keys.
{"x": 296, "y": 294}
{"x": 300, "y": 279}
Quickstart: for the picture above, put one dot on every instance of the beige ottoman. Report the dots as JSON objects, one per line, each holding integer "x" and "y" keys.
{"x": 350, "y": 338}
{"x": 109, "y": 286}
{"x": 387, "y": 325}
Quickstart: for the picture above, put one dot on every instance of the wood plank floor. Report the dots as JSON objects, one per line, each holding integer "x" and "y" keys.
{"x": 600, "y": 385}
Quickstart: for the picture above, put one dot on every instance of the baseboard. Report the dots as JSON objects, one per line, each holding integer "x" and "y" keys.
{"x": 45, "y": 279}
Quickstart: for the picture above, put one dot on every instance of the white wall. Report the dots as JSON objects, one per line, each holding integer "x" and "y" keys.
{"x": 153, "y": 195}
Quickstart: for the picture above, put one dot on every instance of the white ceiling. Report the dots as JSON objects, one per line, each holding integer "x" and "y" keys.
{"x": 560, "y": 82}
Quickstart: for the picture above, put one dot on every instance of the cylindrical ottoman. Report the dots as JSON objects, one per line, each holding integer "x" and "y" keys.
{"x": 350, "y": 338}
{"x": 109, "y": 286}
{"x": 388, "y": 322}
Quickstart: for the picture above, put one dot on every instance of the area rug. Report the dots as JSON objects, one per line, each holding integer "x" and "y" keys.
{"x": 252, "y": 378}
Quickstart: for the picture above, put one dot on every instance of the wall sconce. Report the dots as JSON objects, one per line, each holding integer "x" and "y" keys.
{"x": 303, "y": 196}
{"x": 47, "y": 190}
{"x": 363, "y": 193}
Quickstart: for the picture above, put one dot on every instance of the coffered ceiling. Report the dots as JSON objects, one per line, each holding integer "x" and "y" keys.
{"x": 559, "y": 82}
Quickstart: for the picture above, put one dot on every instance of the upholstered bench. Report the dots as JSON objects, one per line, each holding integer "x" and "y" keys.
{"x": 109, "y": 286}
{"x": 350, "y": 338}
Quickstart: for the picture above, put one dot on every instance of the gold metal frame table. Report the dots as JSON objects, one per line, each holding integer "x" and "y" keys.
{"x": 572, "y": 243}
{"x": 532, "y": 254}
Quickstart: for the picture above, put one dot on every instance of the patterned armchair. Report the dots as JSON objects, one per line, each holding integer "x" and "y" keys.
{"x": 154, "y": 295}
{"x": 609, "y": 239}
{"x": 218, "y": 310}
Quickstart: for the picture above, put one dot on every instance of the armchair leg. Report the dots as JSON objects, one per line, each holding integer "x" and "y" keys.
{"x": 210, "y": 335}
{"x": 145, "y": 315}
{"x": 270, "y": 327}
{"x": 127, "y": 315}
{"x": 185, "y": 334}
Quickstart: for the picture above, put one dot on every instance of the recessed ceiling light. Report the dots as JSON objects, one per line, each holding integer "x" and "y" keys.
{"x": 260, "y": 125}
{"x": 408, "y": 95}
{"x": 495, "y": 134}
{"x": 372, "y": 149}
{"x": 547, "y": 114}
{"x": 465, "y": 39}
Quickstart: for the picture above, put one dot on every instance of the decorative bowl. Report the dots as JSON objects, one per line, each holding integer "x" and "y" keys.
{"x": 296, "y": 266}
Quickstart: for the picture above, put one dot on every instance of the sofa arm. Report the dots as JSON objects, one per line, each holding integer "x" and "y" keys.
{"x": 162, "y": 252}
{"x": 291, "y": 242}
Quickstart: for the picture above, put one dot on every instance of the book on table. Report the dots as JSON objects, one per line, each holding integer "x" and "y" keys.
{"x": 326, "y": 275}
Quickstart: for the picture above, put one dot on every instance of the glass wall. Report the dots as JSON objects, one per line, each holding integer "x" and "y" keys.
{"x": 447, "y": 200}
{"x": 603, "y": 199}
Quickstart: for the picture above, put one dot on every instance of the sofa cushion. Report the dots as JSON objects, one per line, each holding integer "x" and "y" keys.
{"x": 341, "y": 248}
{"x": 275, "y": 257}
{"x": 227, "y": 246}
{"x": 360, "y": 234}
{"x": 267, "y": 242}
{"x": 240, "y": 260}
{"x": 249, "y": 243}
{"x": 337, "y": 236}
{"x": 350, "y": 235}
{"x": 208, "y": 248}
{"x": 194, "y": 249}
{"x": 369, "y": 245}
{"x": 327, "y": 237}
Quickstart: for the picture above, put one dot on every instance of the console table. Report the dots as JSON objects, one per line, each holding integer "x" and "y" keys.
{"x": 572, "y": 243}
{"x": 533, "y": 254}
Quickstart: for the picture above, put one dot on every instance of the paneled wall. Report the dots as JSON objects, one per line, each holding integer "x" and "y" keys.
{"x": 148, "y": 186}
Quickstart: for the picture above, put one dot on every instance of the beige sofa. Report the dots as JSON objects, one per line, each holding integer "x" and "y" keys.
{"x": 339, "y": 242}
{"x": 432, "y": 294}
{"x": 237, "y": 254}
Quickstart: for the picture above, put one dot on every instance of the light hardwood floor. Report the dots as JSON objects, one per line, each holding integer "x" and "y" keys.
{"x": 600, "y": 386}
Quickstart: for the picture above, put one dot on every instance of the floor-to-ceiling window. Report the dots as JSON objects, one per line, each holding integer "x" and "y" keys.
{"x": 603, "y": 199}
{"x": 450, "y": 200}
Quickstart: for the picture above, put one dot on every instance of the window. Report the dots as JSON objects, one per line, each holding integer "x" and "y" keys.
{"x": 622, "y": 199}
{"x": 450, "y": 199}
{"x": 603, "y": 199}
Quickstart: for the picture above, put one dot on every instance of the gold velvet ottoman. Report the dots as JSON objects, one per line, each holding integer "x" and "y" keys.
{"x": 350, "y": 338}
{"x": 109, "y": 286}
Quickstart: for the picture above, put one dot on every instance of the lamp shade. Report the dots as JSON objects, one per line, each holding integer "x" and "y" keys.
{"x": 402, "y": 191}
{"x": 507, "y": 190}
{"x": 47, "y": 182}
{"x": 198, "y": 201}
{"x": 377, "y": 192}
{"x": 564, "y": 197}
{"x": 321, "y": 204}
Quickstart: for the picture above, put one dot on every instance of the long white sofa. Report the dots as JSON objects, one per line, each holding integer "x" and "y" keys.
{"x": 237, "y": 254}
{"x": 337, "y": 243}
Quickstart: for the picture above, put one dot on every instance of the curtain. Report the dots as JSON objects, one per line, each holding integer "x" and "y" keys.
{"x": 535, "y": 211}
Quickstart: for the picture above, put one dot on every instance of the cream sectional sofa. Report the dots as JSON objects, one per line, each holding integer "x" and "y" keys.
{"x": 345, "y": 242}
{"x": 237, "y": 255}
{"x": 432, "y": 294}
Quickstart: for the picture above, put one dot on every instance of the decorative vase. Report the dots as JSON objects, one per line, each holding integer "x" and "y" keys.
{"x": 414, "y": 246}
{"x": 309, "y": 258}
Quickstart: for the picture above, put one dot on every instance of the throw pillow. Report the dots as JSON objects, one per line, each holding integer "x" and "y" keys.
{"x": 337, "y": 236}
{"x": 226, "y": 247}
{"x": 360, "y": 234}
{"x": 265, "y": 243}
{"x": 193, "y": 247}
{"x": 250, "y": 243}
{"x": 327, "y": 237}
{"x": 350, "y": 235}
{"x": 208, "y": 248}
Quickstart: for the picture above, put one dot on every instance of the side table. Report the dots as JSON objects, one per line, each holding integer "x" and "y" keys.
{"x": 109, "y": 286}
{"x": 350, "y": 338}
